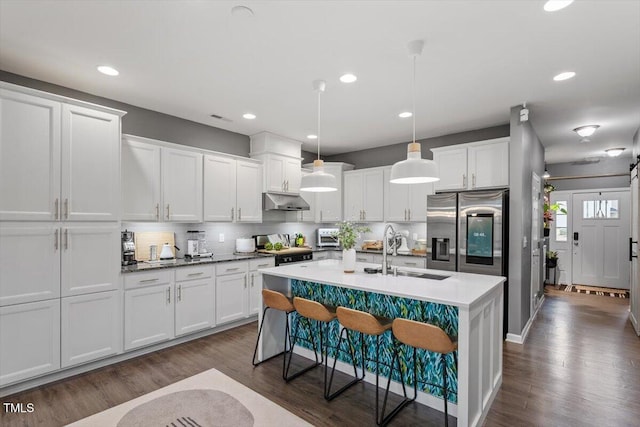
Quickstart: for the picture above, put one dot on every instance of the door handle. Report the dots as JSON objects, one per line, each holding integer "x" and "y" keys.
{"x": 631, "y": 255}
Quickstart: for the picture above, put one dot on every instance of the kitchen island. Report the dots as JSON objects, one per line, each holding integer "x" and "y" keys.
{"x": 467, "y": 305}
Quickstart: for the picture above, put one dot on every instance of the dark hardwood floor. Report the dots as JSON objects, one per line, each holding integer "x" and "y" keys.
{"x": 580, "y": 366}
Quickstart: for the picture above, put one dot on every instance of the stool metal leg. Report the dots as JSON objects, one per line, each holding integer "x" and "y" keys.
{"x": 443, "y": 358}
{"x": 327, "y": 392}
{"x": 284, "y": 351}
{"x": 286, "y": 375}
{"x": 384, "y": 420}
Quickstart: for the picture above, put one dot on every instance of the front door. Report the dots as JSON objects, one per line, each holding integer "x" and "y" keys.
{"x": 601, "y": 230}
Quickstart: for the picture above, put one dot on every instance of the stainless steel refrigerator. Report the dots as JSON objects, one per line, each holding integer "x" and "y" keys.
{"x": 468, "y": 232}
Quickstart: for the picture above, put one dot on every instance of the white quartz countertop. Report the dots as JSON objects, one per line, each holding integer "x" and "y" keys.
{"x": 459, "y": 289}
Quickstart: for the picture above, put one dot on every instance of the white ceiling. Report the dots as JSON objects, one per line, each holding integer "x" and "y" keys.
{"x": 194, "y": 58}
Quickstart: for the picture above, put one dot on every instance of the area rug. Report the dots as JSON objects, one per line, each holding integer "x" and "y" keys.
{"x": 594, "y": 290}
{"x": 207, "y": 399}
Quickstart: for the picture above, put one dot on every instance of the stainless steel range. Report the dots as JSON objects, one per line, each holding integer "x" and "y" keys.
{"x": 287, "y": 254}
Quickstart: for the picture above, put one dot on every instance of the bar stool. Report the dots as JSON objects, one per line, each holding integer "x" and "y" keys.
{"x": 277, "y": 301}
{"x": 366, "y": 324}
{"x": 428, "y": 337}
{"x": 322, "y": 314}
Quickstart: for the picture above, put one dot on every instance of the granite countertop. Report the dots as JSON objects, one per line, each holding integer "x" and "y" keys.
{"x": 185, "y": 262}
{"x": 367, "y": 251}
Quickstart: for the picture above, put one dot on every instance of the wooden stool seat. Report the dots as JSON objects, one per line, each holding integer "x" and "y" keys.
{"x": 361, "y": 321}
{"x": 314, "y": 310}
{"x": 277, "y": 301}
{"x": 423, "y": 335}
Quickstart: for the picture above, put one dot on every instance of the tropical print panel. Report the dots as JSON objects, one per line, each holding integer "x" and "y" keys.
{"x": 428, "y": 365}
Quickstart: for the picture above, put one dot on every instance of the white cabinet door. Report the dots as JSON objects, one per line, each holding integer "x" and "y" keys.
{"x": 22, "y": 277}
{"x": 231, "y": 298}
{"x": 29, "y": 340}
{"x": 452, "y": 166}
{"x": 29, "y": 157}
{"x": 372, "y": 195}
{"x": 91, "y": 327}
{"x": 90, "y": 164}
{"x": 310, "y": 198}
{"x": 396, "y": 199}
{"x": 181, "y": 185}
{"x": 220, "y": 188}
{"x": 249, "y": 191}
{"x": 194, "y": 305}
{"x": 353, "y": 191}
{"x": 292, "y": 175}
{"x": 418, "y": 201}
{"x": 140, "y": 181}
{"x": 90, "y": 258}
{"x": 255, "y": 292}
{"x": 274, "y": 173}
{"x": 148, "y": 316}
{"x": 489, "y": 165}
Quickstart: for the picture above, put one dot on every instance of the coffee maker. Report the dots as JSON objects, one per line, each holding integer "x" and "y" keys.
{"x": 128, "y": 248}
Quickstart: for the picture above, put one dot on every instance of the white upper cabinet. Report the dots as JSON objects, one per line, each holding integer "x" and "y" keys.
{"x": 232, "y": 189}
{"x": 363, "y": 195}
{"x": 58, "y": 160}
{"x": 328, "y": 205}
{"x": 140, "y": 181}
{"x": 482, "y": 164}
{"x": 90, "y": 164}
{"x": 281, "y": 159}
{"x": 181, "y": 185}
{"x": 405, "y": 202}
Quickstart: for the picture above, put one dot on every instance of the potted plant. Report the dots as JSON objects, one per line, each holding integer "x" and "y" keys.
{"x": 552, "y": 259}
{"x": 549, "y": 209}
{"x": 347, "y": 235}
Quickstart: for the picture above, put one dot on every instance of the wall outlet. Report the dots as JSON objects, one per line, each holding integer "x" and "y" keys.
{"x": 221, "y": 237}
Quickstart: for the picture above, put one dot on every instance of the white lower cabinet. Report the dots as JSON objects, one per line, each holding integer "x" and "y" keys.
{"x": 91, "y": 327}
{"x": 29, "y": 340}
{"x": 320, "y": 255}
{"x": 255, "y": 283}
{"x": 194, "y": 299}
{"x": 232, "y": 299}
{"x": 148, "y": 308}
{"x": 407, "y": 261}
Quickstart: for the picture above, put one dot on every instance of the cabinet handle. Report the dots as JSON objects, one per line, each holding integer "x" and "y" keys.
{"x": 252, "y": 280}
{"x": 283, "y": 185}
{"x": 232, "y": 214}
{"x": 473, "y": 180}
{"x": 55, "y": 209}
{"x": 364, "y": 215}
{"x": 410, "y": 263}
{"x": 409, "y": 214}
{"x": 464, "y": 180}
{"x": 195, "y": 274}
{"x": 148, "y": 280}
{"x": 179, "y": 293}
{"x": 168, "y": 211}
{"x": 169, "y": 295}
{"x": 66, "y": 238}
{"x": 239, "y": 214}
{"x": 66, "y": 208}
{"x": 233, "y": 269}
{"x": 263, "y": 265}
{"x": 361, "y": 259}
{"x": 245, "y": 281}
{"x": 158, "y": 211}
{"x": 55, "y": 243}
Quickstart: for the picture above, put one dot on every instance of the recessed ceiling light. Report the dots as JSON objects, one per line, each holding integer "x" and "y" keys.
{"x": 312, "y": 136}
{"x": 564, "y": 76}
{"x": 614, "y": 152}
{"x": 348, "y": 78}
{"x": 109, "y": 71}
{"x": 249, "y": 116}
{"x": 405, "y": 114}
{"x": 586, "y": 131}
{"x": 554, "y": 5}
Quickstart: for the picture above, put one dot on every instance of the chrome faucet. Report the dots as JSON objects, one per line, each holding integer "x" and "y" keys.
{"x": 385, "y": 244}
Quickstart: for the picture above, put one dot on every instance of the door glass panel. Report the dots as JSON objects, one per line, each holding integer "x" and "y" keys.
{"x": 600, "y": 209}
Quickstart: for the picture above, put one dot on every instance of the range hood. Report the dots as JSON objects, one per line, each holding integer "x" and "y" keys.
{"x": 283, "y": 202}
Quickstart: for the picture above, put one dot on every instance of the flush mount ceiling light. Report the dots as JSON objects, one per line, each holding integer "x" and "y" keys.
{"x": 405, "y": 114}
{"x": 312, "y": 136}
{"x": 555, "y": 5}
{"x": 109, "y": 71}
{"x": 249, "y": 116}
{"x": 586, "y": 131}
{"x": 348, "y": 78}
{"x": 614, "y": 152}
{"x": 414, "y": 170}
{"x": 319, "y": 181}
{"x": 566, "y": 75}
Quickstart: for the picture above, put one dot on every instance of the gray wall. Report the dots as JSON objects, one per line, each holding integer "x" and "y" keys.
{"x": 527, "y": 156}
{"x": 614, "y": 165}
{"x": 150, "y": 124}
{"x": 388, "y": 155}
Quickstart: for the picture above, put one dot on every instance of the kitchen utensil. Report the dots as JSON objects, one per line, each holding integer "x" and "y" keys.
{"x": 153, "y": 252}
{"x": 128, "y": 247}
{"x": 245, "y": 244}
{"x": 167, "y": 252}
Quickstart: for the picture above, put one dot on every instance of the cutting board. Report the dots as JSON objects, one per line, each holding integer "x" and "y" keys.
{"x": 144, "y": 239}
{"x": 285, "y": 250}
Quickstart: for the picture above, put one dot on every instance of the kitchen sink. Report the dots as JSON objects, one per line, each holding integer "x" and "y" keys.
{"x": 421, "y": 275}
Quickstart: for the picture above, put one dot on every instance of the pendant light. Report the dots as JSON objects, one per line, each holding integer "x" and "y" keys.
{"x": 414, "y": 170}
{"x": 546, "y": 173}
{"x": 319, "y": 181}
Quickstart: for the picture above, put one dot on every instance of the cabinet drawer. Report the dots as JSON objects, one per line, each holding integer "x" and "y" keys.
{"x": 364, "y": 257}
{"x": 255, "y": 264}
{"x": 415, "y": 262}
{"x": 151, "y": 278}
{"x": 320, "y": 255}
{"x": 191, "y": 273}
{"x": 232, "y": 268}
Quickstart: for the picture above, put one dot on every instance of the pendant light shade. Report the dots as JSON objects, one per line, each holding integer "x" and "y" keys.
{"x": 319, "y": 181}
{"x": 414, "y": 170}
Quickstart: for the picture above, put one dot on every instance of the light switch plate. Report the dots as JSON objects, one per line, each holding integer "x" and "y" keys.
{"x": 221, "y": 237}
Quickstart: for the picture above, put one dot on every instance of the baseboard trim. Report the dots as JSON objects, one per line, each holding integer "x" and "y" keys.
{"x": 520, "y": 339}
{"x": 101, "y": 363}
